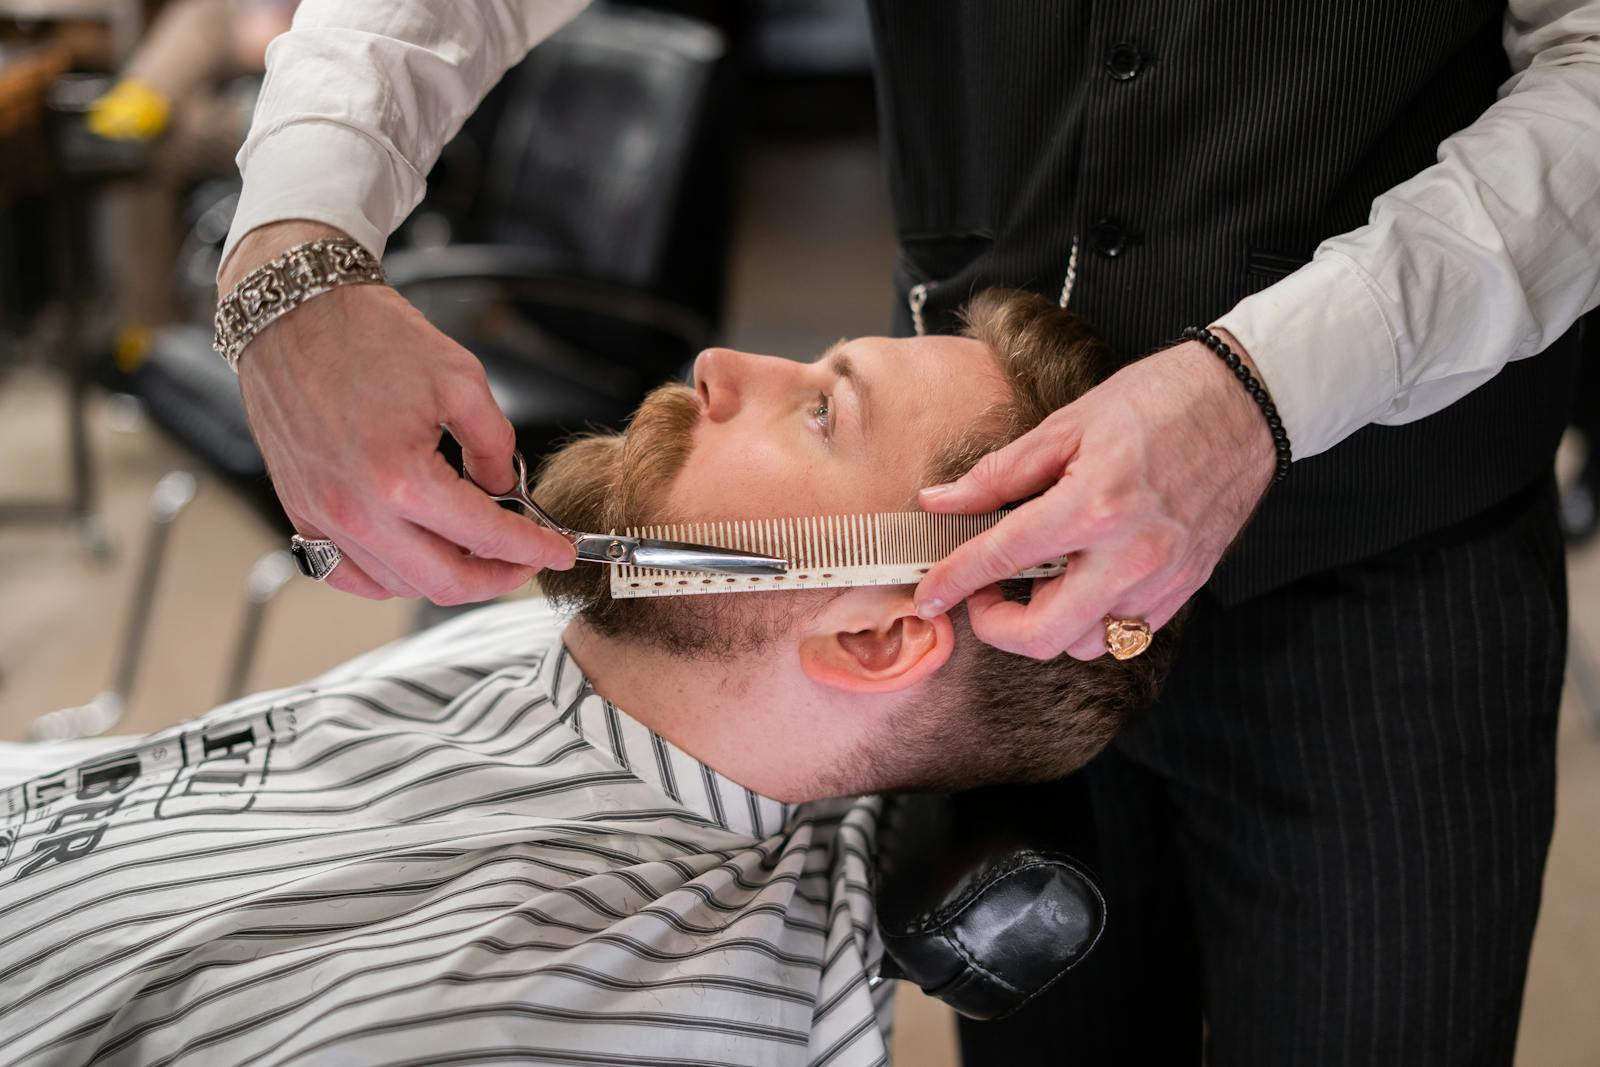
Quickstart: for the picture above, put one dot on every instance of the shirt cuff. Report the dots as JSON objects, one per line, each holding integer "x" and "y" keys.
{"x": 323, "y": 172}
{"x": 1323, "y": 350}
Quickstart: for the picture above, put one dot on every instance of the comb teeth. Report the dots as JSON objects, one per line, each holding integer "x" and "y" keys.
{"x": 824, "y": 551}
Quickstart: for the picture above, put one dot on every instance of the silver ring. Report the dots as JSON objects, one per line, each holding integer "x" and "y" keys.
{"x": 315, "y": 556}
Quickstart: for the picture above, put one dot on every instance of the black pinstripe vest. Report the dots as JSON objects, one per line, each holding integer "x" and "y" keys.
{"x": 1199, "y": 151}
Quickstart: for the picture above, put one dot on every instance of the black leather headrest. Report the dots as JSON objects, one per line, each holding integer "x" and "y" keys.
{"x": 975, "y": 906}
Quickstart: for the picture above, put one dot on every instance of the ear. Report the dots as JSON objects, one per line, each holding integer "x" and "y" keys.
{"x": 872, "y": 641}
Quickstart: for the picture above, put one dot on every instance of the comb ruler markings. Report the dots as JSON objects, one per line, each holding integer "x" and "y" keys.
{"x": 824, "y": 552}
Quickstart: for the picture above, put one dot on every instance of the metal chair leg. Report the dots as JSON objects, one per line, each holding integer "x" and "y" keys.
{"x": 72, "y": 206}
{"x": 267, "y": 577}
{"x": 172, "y": 494}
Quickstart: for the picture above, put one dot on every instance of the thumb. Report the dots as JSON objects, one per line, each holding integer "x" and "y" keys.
{"x": 483, "y": 432}
{"x": 1030, "y": 464}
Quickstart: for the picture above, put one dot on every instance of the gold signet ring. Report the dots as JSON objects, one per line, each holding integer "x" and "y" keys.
{"x": 1126, "y": 638}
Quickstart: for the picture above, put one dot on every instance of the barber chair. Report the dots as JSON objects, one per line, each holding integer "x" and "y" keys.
{"x": 979, "y": 902}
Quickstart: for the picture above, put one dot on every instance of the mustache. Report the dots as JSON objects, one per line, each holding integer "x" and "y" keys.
{"x": 655, "y": 447}
{"x": 608, "y": 481}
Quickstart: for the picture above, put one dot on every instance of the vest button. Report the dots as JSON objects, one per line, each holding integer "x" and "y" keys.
{"x": 1108, "y": 237}
{"x": 1124, "y": 61}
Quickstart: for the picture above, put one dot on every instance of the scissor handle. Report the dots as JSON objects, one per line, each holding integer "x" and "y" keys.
{"x": 522, "y": 495}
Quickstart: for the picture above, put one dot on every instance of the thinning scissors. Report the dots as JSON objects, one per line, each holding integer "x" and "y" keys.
{"x": 641, "y": 551}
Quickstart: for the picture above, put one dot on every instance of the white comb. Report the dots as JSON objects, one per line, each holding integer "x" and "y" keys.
{"x": 824, "y": 552}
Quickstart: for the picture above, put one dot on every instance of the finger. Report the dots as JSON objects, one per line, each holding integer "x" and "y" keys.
{"x": 1063, "y": 615}
{"x": 1078, "y": 614}
{"x": 1154, "y": 602}
{"x": 1090, "y": 646}
{"x": 1071, "y": 610}
{"x": 1044, "y": 528}
{"x": 377, "y": 570}
{"x": 348, "y": 577}
{"x": 372, "y": 568}
{"x": 1154, "y": 614}
{"x": 999, "y": 621}
{"x": 483, "y": 432}
{"x": 1005, "y": 625}
{"x": 462, "y": 514}
{"x": 441, "y": 571}
{"x": 1033, "y": 462}
{"x": 1163, "y": 611}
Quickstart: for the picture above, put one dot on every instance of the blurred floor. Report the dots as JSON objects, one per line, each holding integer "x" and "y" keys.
{"x": 810, "y": 264}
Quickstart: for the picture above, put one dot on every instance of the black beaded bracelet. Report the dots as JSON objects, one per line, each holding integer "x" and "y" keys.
{"x": 1257, "y": 391}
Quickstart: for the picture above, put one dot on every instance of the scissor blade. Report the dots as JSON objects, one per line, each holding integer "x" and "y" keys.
{"x": 683, "y": 556}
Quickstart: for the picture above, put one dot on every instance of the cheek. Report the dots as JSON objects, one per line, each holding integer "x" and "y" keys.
{"x": 732, "y": 476}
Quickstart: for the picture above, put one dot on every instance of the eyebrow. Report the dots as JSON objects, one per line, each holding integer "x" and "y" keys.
{"x": 846, "y": 368}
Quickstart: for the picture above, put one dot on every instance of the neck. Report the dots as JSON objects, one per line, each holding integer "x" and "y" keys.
{"x": 757, "y": 720}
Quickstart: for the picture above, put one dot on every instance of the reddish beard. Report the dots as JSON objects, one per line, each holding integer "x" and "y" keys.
{"x": 604, "y": 482}
{"x": 607, "y": 482}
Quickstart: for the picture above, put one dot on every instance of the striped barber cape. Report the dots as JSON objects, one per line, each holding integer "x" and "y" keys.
{"x": 448, "y": 851}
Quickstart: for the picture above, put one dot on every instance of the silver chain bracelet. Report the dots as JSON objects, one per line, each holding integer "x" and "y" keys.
{"x": 285, "y": 282}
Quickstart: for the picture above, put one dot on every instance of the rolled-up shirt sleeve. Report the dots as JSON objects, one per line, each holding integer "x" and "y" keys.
{"x": 1485, "y": 257}
{"x": 361, "y": 96}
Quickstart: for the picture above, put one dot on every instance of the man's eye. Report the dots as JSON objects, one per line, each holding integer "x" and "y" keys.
{"x": 822, "y": 411}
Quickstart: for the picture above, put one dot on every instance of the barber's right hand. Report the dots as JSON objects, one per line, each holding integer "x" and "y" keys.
{"x": 346, "y": 396}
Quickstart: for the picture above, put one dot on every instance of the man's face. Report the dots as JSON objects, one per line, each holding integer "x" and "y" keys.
{"x": 764, "y": 437}
{"x": 852, "y": 432}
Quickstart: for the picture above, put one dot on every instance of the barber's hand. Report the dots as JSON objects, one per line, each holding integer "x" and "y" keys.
{"x": 346, "y": 395}
{"x": 1145, "y": 480}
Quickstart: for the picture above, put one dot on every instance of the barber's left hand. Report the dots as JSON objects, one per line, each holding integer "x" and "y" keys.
{"x": 1145, "y": 481}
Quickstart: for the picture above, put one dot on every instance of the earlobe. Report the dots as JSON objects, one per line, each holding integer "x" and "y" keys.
{"x": 885, "y": 657}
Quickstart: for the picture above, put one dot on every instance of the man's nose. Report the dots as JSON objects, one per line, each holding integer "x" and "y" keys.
{"x": 727, "y": 380}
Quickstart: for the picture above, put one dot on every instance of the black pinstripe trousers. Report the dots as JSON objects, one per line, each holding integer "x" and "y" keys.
{"x": 1325, "y": 845}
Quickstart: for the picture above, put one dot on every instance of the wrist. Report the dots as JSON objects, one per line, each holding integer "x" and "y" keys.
{"x": 1249, "y": 431}
{"x": 268, "y": 242}
{"x": 1238, "y": 349}
{"x": 281, "y": 285}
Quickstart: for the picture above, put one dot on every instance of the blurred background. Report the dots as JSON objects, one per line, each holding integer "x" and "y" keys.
{"x": 656, "y": 178}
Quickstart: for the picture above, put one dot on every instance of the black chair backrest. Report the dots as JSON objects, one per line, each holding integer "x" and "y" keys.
{"x": 591, "y": 156}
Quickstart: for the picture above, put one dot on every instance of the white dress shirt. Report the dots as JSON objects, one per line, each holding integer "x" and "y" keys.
{"x": 451, "y": 850}
{"x": 1487, "y": 256}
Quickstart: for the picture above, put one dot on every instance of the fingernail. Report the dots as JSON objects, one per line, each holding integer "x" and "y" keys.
{"x": 933, "y": 492}
{"x": 927, "y": 609}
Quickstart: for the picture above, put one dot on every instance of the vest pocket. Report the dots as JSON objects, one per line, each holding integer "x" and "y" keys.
{"x": 1274, "y": 265}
